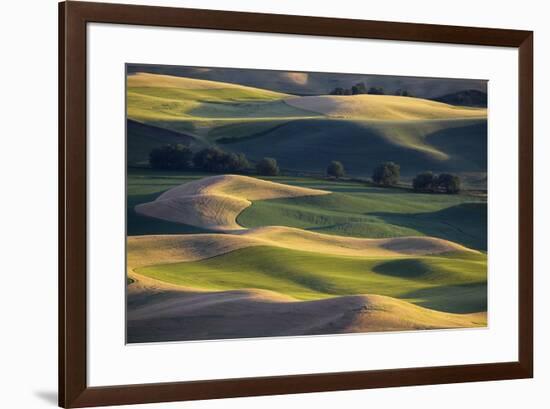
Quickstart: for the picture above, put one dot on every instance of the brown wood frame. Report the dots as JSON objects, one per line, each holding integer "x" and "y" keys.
{"x": 73, "y": 388}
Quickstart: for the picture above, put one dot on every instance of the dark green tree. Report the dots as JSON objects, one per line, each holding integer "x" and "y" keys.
{"x": 424, "y": 182}
{"x": 171, "y": 157}
{"x": 403, "y": 93}
{"x": 386, "y": 174}
{"x": 336, "y": 169}
{"x": 376, "y": 91}
{"x": 209, "y": 159}
{"x": 448, "y": 183}
{"x": 267, "y": 167}
{"x": 359, "y": 88}
{"x": 234, "y": 162}
{"x": 214, "y": 159}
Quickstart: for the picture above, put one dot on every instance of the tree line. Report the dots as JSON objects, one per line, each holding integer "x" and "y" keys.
{"x": 214, "y": 159}
{"x": 427, "y": 182}
{"x": 211, "y": 159}
{"x": 360, "y": 88}
{"x": 387, "y": 174}
{"x": 357, "y": 89}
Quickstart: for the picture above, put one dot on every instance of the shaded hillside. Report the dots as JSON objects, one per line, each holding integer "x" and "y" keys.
{"x": 468, "y": 98}
{"x": 142, "y": 138}
{"x": 309, "y": 145}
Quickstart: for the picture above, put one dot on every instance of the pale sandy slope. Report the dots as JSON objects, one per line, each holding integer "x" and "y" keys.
{"x": 179, "y": 315}
{"x": 164, "y": 249}
{"x": 304, "y": 240}
{"x": 382, "y": 107}
{"x": 215, "y": 202}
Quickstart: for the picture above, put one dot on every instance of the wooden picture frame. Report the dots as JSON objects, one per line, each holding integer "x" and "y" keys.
{"x": 73, "y": 19}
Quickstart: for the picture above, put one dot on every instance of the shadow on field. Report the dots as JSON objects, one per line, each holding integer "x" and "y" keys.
{"x": 138, "y": 225}
{"x": 465, "y": 223}
{"x": 460, "y": 299}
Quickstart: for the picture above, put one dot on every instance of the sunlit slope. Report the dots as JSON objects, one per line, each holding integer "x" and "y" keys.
{"x": 305, "y": 275}
{"x": 192, "y": 105}
{"x": 383, "y": 107}
{"x": 152, "y": 84}
{"x": 162, "y": 249}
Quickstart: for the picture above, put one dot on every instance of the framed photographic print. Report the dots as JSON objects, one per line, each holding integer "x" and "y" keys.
{"x": 272, "y": 204}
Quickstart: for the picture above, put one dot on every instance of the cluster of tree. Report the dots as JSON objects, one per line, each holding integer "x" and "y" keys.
{"x": 376, "y": 91}
{"x": 212, "y": 159}
{"x": 386, "y": 174}
{"x": 181, "y": 157}
{"x": 357, "y": 89}
{"x": 171, "y": 157}
{"x": 403, "y": 93}
{"x": 215, "y": 160}
{"x": 267, "y": 167}
{"x": 443, "y": 183}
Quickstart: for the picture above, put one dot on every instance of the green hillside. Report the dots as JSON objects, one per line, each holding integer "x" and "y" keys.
{"x": 375, "y": 216}
{"x": 309, "y": 276}
{"x": 354, "y": 209}
{"x": 255, "y": 253}
{"x": 198, "y": 107}
{"x": 142, "y": 138}
{"x": 441, "y": 145}
{"x": 306, "y": 133}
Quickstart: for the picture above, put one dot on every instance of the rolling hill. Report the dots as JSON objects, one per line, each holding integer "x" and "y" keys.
{"x": 163, "y": 249}
{"x": 314, "y": 83}
{"x": 305, "y": 275}
{"x": 234, "y": 280}
{"x": 177, "y": 314}
{"x": 352, "y": 209}
{"x": 215, "y": 202}
{"x": 457, "y": 145}
{"x": 360, "y": 130}
{"x": 470, "y": 97}
{"x": 230, "y": 256}
{"x": 382, "y": 107}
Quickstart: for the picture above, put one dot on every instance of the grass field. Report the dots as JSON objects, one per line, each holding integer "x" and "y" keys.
{"x": 226, "y": 256}
{"x": 309, "y": 276}
{"x": 358, "y": 130}
{"x": 453, "y": 145}
{"x": 453, "y": 282}
{"x": 353, "y": 209}
{"x": 375, "y": 215}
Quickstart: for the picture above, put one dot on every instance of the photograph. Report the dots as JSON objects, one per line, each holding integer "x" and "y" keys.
{"x": 276, "y": 203}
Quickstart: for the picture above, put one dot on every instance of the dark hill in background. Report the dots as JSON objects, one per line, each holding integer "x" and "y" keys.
{"x": 317, "y": 83}
{"x": 468, "y": 98}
